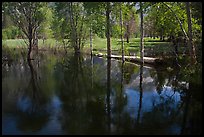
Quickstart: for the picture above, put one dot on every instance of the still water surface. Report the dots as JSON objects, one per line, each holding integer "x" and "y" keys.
{"x": 57, "y": 94}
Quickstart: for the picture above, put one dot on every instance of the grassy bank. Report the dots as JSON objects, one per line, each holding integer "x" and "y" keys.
{"x": 131, "y": 48}
{"x": 20, "y": 43}
{"x": 100, "y": 45}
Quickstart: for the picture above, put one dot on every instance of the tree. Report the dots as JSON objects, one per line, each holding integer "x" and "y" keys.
{"x": 45, "y": 30}
{"x": 121, "y": 25}
{"x": 190, "y": 35}
{"x": 71, "y": 22}
{"x": 28, "y": 16}
{"x": 141, "y": 35}
{"x": 89, "y": 8}
{"x": 173, "y": 19}
{"x": 130, "y": 20}
{"x": 108, "y": 29}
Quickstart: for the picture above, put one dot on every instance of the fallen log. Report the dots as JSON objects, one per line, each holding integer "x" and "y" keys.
{"x": 135, "y": 59}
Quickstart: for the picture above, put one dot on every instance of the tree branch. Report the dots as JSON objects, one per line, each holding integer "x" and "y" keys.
{"x": 184, "y": 32}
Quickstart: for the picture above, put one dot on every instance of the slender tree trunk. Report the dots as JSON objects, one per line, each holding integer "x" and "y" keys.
{"x": 35, "y": 41}
{"x": 161, "y": 35}
{"x": 92, "y": 79}
{"x": 91, "y": 48}
{"x": 127, "y": 32}
{"x": 80, "y": 36}
{"x": 190, "y": 35}
{"x": 141, "y": 36}
{"x": 121, "y": 27}
{"x": 30, "y": 38}
{"x": 74, "y": 42}
{"x": 108, "y": 29}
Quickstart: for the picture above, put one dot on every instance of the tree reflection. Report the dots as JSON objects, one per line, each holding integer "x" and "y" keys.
{"x": 118, "y": 102}
{"x": 33, "y": 113}
{"x": 108, "y": 109}
{"x": 82, "y": 101}
{"x": 191, "y": 122}
{"x": 141, "y": 93}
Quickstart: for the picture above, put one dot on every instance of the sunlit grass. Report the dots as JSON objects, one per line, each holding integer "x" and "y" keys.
{"x": 21, "y": 43}
{"x": 99, "y": 44}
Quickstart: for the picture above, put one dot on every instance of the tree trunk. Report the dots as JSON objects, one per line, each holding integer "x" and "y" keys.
{"x": 161, "y": 35}
{"x": 108, "y": 29}
{"x": 127, "y": 32}
{"x": 91, "y": 48}
{"x": 141, "y": 36}
{"x": 35, "y": 40}
{"x": 190, "y": 35}
{"x": 80, "y": 38}
{"x": 30, "y": 37}
{"x": 29, "y": 49}
{"x": 74, "y": 42}
{"x": 121, "y": 27}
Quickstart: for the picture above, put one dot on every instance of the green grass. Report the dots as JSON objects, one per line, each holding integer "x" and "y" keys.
{"x": 100, "y": 44}
{"x": 20, "y": 43}
{"x": 12, "y": 43}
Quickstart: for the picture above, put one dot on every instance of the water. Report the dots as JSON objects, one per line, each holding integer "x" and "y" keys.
{"x": 57, "y": 94}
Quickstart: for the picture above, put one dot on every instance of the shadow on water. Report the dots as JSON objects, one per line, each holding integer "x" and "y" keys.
{"x": 79, "y": 94}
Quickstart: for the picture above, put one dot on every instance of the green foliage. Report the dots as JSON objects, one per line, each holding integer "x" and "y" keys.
{"x": 11, "y": 32}
{"x": 45, "y": 30}
{"x": 54, "y": 19}
{"x": 70, "y": 23}
{"x": 95, "y": 17}
{"x": 162, "y": 21}
{"x": 27, "y": 16}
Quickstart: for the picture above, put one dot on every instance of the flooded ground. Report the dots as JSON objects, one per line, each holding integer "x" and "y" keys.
{"x": 56, "y": 94}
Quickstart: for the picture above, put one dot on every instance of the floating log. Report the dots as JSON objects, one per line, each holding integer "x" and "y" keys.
{"x": 135, "y": 59}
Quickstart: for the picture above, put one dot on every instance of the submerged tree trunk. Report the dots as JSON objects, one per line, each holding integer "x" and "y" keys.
{"x": 108, "y": 29}
{"x": 190, "y": 35}
{"x": 141, "y": 36}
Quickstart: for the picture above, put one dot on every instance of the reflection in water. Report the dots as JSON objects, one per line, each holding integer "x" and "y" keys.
{"x": 141, "y": 92}
{"x": 108, "y": 103}
{"x": 89, "y": 95}
{"x": 25, "y": 101}
{"x": 33, "y": 115}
